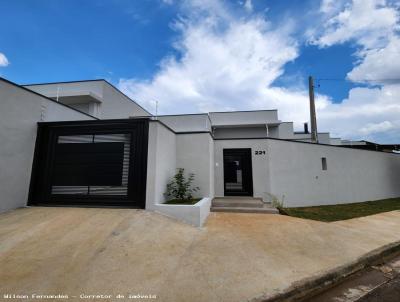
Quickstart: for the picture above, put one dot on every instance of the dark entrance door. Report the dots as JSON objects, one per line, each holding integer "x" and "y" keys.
{"x": 238, "y": 180}
{"x": 90, "y": 163}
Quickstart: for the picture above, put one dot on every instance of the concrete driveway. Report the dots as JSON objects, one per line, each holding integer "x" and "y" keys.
{"x": 235, "y": 257}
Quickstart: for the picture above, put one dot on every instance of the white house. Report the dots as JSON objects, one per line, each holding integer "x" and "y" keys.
{"x": 86, "y": 143}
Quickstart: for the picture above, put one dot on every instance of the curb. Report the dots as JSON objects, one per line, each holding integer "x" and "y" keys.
{"x": 313, "y": 285}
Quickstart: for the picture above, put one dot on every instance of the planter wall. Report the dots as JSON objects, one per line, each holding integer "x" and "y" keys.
{"x": 195, "y": 215}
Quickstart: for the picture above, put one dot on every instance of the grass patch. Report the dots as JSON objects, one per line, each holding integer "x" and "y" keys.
{"x": 180, "y": 201}
{"x": 344, "y": 211}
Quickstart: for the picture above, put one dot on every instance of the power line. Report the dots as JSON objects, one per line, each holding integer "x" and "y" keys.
{"x": 363, "y": 80}
{"x": 319, "y": 80}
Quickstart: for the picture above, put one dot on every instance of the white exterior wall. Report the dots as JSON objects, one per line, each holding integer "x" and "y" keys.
{"x": 195, "y": 153}
{"x": 241, "y": 132}
{"x": 20, "y": 110}
{"x": 273, "y": 131}
{"x": 168, "y": 151}
{"x": 116, "y": 105}
{"x": 247, "y": 132}
{"x": 260, "y": 165}
{"x": 67, "y": 89}
{"x": 161, "y": 162}
{"x": 186, "y": 123}
{"x": 195, "y": 215}
{"x": 286, "y": 131}
{"x": 324, "y": 138}
{"x": 292, "y": 171}
{"x": 54, "y": 112}
{"x": 352, "y": 175}
{"x": 243, "y": 117}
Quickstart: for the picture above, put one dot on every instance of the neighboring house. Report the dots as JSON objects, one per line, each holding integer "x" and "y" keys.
{"x": 86, "y": 143}
{"x": 97, "y": 98}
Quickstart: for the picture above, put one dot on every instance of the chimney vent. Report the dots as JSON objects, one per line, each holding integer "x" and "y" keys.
{"x": 306, "y": 128}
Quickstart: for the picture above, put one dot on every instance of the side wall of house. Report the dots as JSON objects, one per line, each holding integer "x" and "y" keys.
{"x": 20, "y": 110}
{"x": 161, "y": 162}
{"x": 351, "y": 176}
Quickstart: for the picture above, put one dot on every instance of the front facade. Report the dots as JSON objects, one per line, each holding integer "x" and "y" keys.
{"x": 86, "y": 143}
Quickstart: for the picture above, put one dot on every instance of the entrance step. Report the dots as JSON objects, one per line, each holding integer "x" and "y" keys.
{"x": 238, "y": 202}
{"x": 266, "y": 210}
{"x": 242, "y": 205}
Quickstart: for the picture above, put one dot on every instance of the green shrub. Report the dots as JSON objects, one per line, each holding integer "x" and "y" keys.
{"x": 277, "y": 203}
{"x": 180, "y": 187}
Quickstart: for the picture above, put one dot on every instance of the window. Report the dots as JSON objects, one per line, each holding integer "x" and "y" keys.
{"x": 324, "y": 164}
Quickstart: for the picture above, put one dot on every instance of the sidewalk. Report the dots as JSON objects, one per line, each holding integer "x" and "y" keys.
{"x": 379, "y": 282}
{"x": 235, "y": 257}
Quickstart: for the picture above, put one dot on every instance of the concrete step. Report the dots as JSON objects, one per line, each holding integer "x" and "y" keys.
{"x": 238, "y": 202}
{"x": 263, "y": 210}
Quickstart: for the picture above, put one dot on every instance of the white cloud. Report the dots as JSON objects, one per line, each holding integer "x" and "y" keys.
{"x": 380, "y": 65}
{"x": 248, "y": 5}
{"x": 3, "y": 60}
{"x": 370, "y": 112}
{"x": 377, "y": 127}
{"x": 226, "y": 63}
{"x": 229, "y": 62}
{"x": 329, "y": 7}
{"x": 364, "y": 114}
{"x": 370, "y": 22}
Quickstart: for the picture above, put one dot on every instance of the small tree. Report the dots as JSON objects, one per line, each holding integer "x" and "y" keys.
{"x": 180, "y": 187}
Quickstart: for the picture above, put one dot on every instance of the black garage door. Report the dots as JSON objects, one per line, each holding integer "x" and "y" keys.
{"x": 90, "y": 163}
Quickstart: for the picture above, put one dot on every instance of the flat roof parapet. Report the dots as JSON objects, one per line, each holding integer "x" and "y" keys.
{"x": 244, "y": 118}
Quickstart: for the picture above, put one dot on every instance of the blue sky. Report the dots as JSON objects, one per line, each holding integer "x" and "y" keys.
{"x": 259, "y": 52}
{"x": 70, "y": 40}
{"x": 128, "y": 39}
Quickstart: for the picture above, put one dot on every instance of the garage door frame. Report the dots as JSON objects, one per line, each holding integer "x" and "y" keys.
{"x": 47, "y": 134}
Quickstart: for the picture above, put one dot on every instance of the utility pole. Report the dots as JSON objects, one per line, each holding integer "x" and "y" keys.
{"x": 313, "y": 117}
